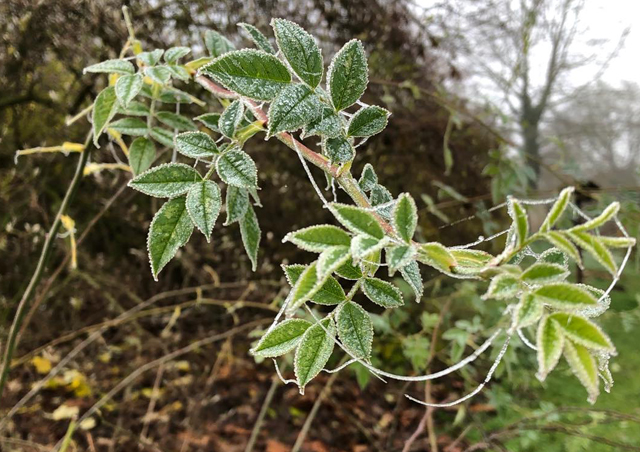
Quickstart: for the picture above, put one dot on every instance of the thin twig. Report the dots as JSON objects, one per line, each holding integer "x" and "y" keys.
{"x": 12, "y": 340}
{"x": 275, "y": 382}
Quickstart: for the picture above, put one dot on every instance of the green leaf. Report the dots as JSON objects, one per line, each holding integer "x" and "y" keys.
{"x": 554, "y": 256}
{"x": 470, "y": 261}
{"x": 111, "y": 67}
{"x": 355, "y": 330}
{"x": 382, "y": 293}
{"x": 329, "y": 294}
{"x": 150, "y": 58}
{"x": 295, "y": 106}
{"x": 564, "y": 296}
{"x": 557, "y": 209}
{"x": 560, "y": 241}
{"x": 399, "y": 256}
{"x": 217, "y": 44}
{"x": 543, "y": 273}
{"x": 158, "y": 74}
{"x": 405, "y": 217}
{"x": 437, "y": 256}
{"x": 338, "y": 150}
{"x": 381, "y": 196}
{"x": 134, "y": 109}
{"x": 300, "y": 50}
{"x": 318, "y": 238}
{"x": 313, "y": 352}
{"x": 251, "y": 234}
{"x": 528, "y": 311}
{"x": 175, "y": 121}
{"x": 368, "y": 178}
{"x": 104, "y": 108}
{"x": 305, "y": 287}
{"x": 357, "y": 220}
{"x": 196, "y": 145}
{"x": 349, "y": 271}
{"x": 583, "y": 332}
{"x": 550, "y": 342}
{"x": 170, "y": 229}
{"x": 230, "y": 118}
{"x": 250, "y": 73}
{"x": 203, "y": 204}
{"x": 258, "y": 38}
{"x": 518, "y": 214}
{"x": 166, "y": 181}
{"x": 583, "y": 367}
{"x": 606, "y": 215}
{"x": 178, "y": 72}
{"x": 370, "y": 263}
{"x": 411, "y": 274}
{"x": 331, "y": 259}
{"x": 130, "y": 126}
{"x": 503, "y": 286}
{"x": 595, "y": 247}
{"x": 237, "y": 204}
{"x": 237, "y": 168}
{"x": 175, "y": 53}
{"x": 368, "y": 121}
{"x": 327, "y": 124}
{"x": 210, "y": 121}
{"x": 127, "y": 88}
{"x": 363, "y": 245}
{"x": 347, "y": 77}
{"x": 281, "y": 339}
{"x": 162, "y": 136}
{"x": 142, "y": 153}
{"x": 617, "y": 242}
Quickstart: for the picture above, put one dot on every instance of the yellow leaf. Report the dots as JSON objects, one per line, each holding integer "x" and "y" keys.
{"x": 88, "y": 424}
{"x": 42, "y": 365}
{"x": 65, "y": 412}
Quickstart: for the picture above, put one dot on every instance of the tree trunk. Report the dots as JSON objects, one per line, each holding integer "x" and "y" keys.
{"x": 530, "y": 129}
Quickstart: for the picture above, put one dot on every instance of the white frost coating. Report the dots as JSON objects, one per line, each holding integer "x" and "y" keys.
{"x": 475, "y": 391}
{"x": 526, "y": 341}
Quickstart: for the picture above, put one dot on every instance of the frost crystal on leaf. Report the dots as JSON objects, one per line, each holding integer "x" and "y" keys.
{"x": 295, "y": 106}
{"x": 237, "y": 168}
{"x": 300, "y": 50}
{"x": 166, "y": 181}
{"x": 347, "y": 76}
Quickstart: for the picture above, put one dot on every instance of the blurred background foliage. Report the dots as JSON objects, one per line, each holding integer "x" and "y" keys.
{"x": 456, "y": 156}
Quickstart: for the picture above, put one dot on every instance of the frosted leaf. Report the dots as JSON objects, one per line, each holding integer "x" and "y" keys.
{"x": 349, "y": 271}
{"x": 355, "y": 330}
{"x": 111, "y": 67}
{"x": 329, "y": 294}
{"x": 230, "y": 118}
{"x": 175, "y": 121}
{"x": 300, "y": 50}
{"x": 281, "y": 339}
{"x": 236, "y": 168}
{"x": 583, "y": 366}
{"x": 252, "y": 73}
{"x": 437, "y": 256}
{"x": 210, "y": 121}
{"x": 150, "y": 58}
{"x": 583, "y": 331}
{"x": 313, "y": 352}
{"x": 364, "y": 245}
{"x": 598, "y": 309}
{"x": 196, "y": 145}
{"x": 130, "y": 126}
{"x": 565, "y": 296}
{"x": 173, "y": 54}
{"x": 166, "y": 181}
{"x": 357, "y": 220}
{"x": 295, "y": 106}
{"x": 518, "y": 214}
{"x": 368, "y": 178}
{"x": 368, "y": 121}
{"x": 554, "y": 256}
{"x": 528, "y": 311}
{"x": 338, "y": 150}
{"x": 178, "y": 72}
{"x": 217, "y": 44}
{"x": 127, "y": 88}
{"x": 503, "y": 286}
{"x": 382, "y": 293}
{"x": 134, "y": 108}
{"x": 550, "y": 342}
{"x": 318, "y": 238}
{"x": 203, "y": 204}
{"x": 405, "y": 217}
{"x": 381, "y": 196}
{"x": 142, "y": 153}
{"x": 162, "y": 136}
{"x": 258, "y": 38}
{"x": 596, "y": 248}
{"x": 560, "y": 241}
{"x": 331, "y": 259}
{"x": 603, "y": 367}
{"x": 237, "y": 203}
{"x": 347, "y": 77}
{"x": 170, "y": 229}
{"x": 327, "y": 124}
{"x": 399, "y": 256}
{"x": 411, "y": 274}
{"x": 607, "y": 214}
{"x": 544, "y": 273}
{"x": 104, "y": 109}
{"x": 251, "y": 235}
{"x": 158, "y": 74}
{"x": 557, "y": 209}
